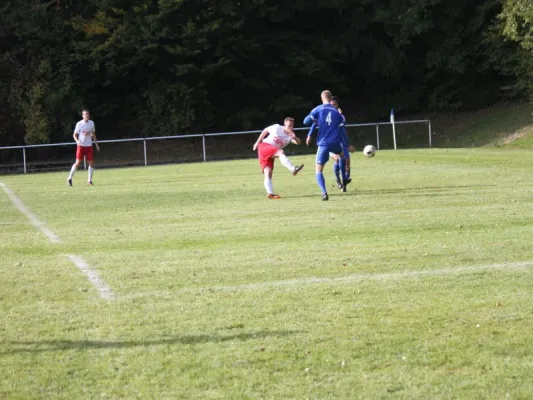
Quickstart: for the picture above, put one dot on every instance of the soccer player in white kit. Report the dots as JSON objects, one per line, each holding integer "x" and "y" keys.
{"x": 85, "y": 136}
{"x": 271, "y": 147}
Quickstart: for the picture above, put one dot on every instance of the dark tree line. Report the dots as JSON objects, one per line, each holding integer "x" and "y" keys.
{"x": 161, "y": 67}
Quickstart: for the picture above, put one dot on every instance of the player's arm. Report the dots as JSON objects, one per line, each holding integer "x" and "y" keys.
{"x": 310, "y": 134}
{"x": 95, "y": 141}
{"x": 76, "y": 135}
{"x": 260, "y": 138}
{"x": 344, "y": 136}
{"x": 342, "y": 129}
{"x": 295, "y": 139}
{"x": 312, "y": 117}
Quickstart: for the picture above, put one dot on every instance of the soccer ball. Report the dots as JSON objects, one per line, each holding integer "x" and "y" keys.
{"x": 369, "y": 151}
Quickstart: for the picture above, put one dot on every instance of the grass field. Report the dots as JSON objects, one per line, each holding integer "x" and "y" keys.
{"x": 417, "y": 283}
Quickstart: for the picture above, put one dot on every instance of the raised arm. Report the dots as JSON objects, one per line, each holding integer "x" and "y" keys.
{"x": 260, "y": 138}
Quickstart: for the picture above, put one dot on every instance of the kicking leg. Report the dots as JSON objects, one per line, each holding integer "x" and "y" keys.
{"x": 287, "y": 163}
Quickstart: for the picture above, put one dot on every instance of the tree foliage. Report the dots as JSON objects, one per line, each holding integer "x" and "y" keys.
{"x": 518, "y": 22}
{"x": 161, "y": 67}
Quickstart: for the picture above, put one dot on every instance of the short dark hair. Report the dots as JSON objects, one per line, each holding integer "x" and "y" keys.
{"x": 335, "y": 98}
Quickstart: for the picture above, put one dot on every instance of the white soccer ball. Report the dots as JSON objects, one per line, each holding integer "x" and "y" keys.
{"x": 369, "y": 151}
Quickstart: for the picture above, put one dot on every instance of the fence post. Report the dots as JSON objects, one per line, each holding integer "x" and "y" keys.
{"x": 377, "y": 136}
{"x": 24, "y": 157}
{"x": 203, "y": 147}
{"x": 145, "y": 157}
{"x": 429, "y": 128}
{"x": 394, "y": 134}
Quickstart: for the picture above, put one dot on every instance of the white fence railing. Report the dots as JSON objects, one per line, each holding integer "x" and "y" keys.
{"x": 203, "y": 137}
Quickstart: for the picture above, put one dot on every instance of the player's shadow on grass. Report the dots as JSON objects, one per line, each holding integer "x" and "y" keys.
{"x": 60, "y": 345}
{"x": 423, "y": 191}
{"x": 417, "y": 191}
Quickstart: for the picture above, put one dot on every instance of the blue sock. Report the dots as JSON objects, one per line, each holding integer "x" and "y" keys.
{"x": 321, "y": 182}
{"x": 342, "y": 165}
{"x": 336, "y": 170}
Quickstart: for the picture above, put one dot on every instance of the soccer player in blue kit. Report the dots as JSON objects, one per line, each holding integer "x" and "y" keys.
{"x": 331, "y": 139}
{"x": 346, "y": 150}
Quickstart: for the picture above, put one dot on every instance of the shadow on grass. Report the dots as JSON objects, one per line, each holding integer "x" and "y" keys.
{"x": 355, "y": 191}
{"x": 15, "y": 347}
{"x": 436, "y": 190}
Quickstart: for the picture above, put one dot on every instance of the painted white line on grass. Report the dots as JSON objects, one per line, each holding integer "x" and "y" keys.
{"x": 31, "y": 216}
{"x": 104, "y": 290}
{"x": 94, "y": 277}
{"x": 343, "y": 279}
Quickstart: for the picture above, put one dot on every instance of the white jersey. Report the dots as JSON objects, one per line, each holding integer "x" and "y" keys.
{"x": 277, "y": 136}
{"x": 85, "y": 131}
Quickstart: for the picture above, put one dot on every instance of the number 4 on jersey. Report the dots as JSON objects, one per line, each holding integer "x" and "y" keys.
{"x": 328, "y": 118}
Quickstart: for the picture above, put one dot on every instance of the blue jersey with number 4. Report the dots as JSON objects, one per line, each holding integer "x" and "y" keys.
{"x": 330, "y": 125}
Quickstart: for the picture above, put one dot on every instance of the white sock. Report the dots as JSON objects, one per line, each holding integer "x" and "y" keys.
{"x": 72, "y": 171}
{"x": 91, "y": 172}
{"x": 286, "y": 162}
{"x": 268, "y": 185}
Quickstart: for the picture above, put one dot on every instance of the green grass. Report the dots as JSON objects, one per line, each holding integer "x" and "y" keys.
{"x": 487, "y": 127}
{"x": 195, "y": 255}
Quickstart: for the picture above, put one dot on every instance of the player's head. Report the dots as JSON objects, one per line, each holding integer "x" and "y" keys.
{"x": 288, "y": 123}
{"x": 335, "y": 101}
{"x": 85, "y": 114}
{"x": 326, "y": 96}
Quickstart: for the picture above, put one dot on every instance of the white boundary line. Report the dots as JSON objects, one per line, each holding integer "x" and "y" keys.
{"x": 31, "y": 216}
{"x": 93, "y": 275}
{"x": 339, "y": 280}
{"x": 104, "y": 290}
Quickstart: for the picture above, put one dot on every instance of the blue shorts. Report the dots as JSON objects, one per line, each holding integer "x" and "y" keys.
{"x": 322, "y": 154}
{"x": 345, "y": 152}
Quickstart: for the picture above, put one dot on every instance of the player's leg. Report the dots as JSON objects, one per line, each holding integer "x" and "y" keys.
{"x": 268, "y": 182}
{"x": 90, "y": 160}
{"x": 287, "y": 163}
{"x": 342, "y": 164}
{"x": 322, "y": 156}
{"x": 336, "y": 169}
{"x": 348, "y": 166}
{"x": 266, "y": 153}
{"x": 90, "y": 172}
{"x": 79, "y": 157}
